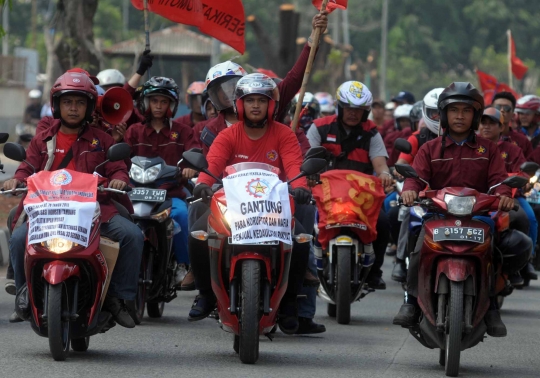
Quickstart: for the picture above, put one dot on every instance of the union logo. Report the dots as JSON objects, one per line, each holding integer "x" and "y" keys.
{"x": 174, "y": 135}
{"x": 504, "y": 155}
{"x": 271, "y": 155}
{"x": 61, "y": 178}
{"x": 257, "y": 188}
{"x": 481, "y": 150}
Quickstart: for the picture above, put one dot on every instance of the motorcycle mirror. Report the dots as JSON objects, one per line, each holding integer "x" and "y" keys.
{"x": 402, "y": 146}
{"x": 318, "y": 152}
{"x": 406, "y": 170}
{"x": 14, "y": 151}
{"x": 196, "y": 160}
{"x": 516, "y": 182}
{"x": 529, "y": 167}
{"x": 310, "y": 167}
{"x": 119, "y": 151}
{"x": 4, "y": 137}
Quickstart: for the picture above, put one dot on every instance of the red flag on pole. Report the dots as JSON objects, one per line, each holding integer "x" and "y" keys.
{"x": 490, "y": 86}
{"x": 519, "y": 69}
{"x": 223, "y": 20}
{"x": 332, "y": 4}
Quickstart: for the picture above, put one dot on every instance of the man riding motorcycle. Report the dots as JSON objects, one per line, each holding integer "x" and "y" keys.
{"x": 71, "y": 143}
{"x": 194, "y": 101}
{"x": 528, "y": 111}
{"x": 255, "y": 138}
{"x": 160, "y": 136}
{"x": 355, "y": 143}
{"x": 459, "y": 158}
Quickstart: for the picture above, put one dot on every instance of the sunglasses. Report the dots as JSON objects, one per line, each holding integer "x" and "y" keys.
{"x": 504, "y": 108}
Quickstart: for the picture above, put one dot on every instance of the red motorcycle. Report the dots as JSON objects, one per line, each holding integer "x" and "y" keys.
{"x": 457, "y": 270}
{"x": 249, "y": 280}
{"x": 67, "y": 282}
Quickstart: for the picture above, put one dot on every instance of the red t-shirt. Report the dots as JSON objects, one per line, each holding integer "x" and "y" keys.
{"x": 63, "y": 144}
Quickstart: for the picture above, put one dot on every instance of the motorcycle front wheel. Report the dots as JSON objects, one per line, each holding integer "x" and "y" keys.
{"x": 455, "y": 323}
{"x": 343, "y": 283}
{"x": 58, "y": 327}
{"x": 250, "y": 312}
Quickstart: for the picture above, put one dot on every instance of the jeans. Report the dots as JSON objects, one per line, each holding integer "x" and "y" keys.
{"x": 179, "y": 214}
{"x": 379, "y": 245}
{"x": 125, "y": 277}
{"x": 533, "y": 223}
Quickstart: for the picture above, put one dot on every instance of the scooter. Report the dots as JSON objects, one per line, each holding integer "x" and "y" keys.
{"x": 457, "y": 270}
{"x": 249, "y": 280}
{"x": 67, "y": 282}
{"x": 151, "y": 213}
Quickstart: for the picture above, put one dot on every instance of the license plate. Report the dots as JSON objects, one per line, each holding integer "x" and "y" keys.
{"x": 470, "y": 234}
{"x": 148, "y": 195}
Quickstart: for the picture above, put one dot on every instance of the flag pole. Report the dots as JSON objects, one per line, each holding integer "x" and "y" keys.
{"x": 510, "y": 78}
{"x": 307, "y": 72}
{"x": 146, "y": 31}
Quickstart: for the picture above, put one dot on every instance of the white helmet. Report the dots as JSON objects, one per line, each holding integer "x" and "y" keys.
{"x": 354, "y": 94}
{"x": 221, "y": 82}
{"x": 35, "y": 93}
{"x": 402, "y": 111}
{"x": 430, "y": 111}
{"x": 326, "y": 101}
{"x": 111, "y": 77}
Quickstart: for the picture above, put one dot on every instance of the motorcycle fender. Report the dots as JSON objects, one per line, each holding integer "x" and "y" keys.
{"x": 342, "y": 240}
{"x": 58, "y": 271}
{"x": 455, "y": 269}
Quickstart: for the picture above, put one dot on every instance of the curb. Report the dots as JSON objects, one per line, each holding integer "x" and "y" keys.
{"x": 4, "y": 246}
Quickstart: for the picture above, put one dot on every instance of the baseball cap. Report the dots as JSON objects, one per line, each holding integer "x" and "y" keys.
{"x": 493, "y": 114}
{"x": 404, "y": 96}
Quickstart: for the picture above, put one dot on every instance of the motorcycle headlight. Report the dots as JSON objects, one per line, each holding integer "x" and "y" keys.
{"x": 59, "y": 245}
{"x": 141, "y": 176}
{"x": 459, "y": 205}
{"x": 224, "y": 212}
{"x": 419, "y": 211}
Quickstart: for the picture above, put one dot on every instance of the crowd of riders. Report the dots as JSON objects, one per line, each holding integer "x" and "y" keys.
{"x": 456, "y": 140}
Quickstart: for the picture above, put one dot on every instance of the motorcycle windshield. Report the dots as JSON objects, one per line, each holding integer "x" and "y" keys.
{"x": 251, "y": 165}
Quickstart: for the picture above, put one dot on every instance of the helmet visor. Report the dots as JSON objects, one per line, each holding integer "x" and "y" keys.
{"x": 433, "y": 114}
{"x": 222, "y": 93}
{"x": 524, "y": 111}
{"x": 347, "y": 105}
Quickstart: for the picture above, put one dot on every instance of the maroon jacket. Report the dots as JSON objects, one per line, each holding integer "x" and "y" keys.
{"x": 169, "y": 144}
{"x": 89, "y": 150}
{"x": 519, "y": 140}
{"x": 512, "y": 156}
{"x": 477, "y": 164}
{"x": 287, "y": 90}
{"x": 135, "y": 117}
{"x": 389, "y": 140}
{"x": 186, "y": 120}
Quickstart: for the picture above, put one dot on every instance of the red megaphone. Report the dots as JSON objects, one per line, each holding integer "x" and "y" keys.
{"x": 115, "y": 106}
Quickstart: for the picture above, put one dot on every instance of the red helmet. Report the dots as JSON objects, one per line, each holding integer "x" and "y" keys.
{"x": 73, "y": 83}
{"x": 529, "y": 104}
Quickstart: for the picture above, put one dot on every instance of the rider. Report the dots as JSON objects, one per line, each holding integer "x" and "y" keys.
{"x": 311, "y": 110}
{"x": 354, "y": 143}
{"x": 160, "y": 136}
{"x": 194, "y": 101}
{"x": 403, "y": 128}
{"x": 528, "y": 111}
{"x": 111, "y": 78}
{"x": 255, "y": 138}
{"x": 326, "y": 101}
{"x": 32, "y": 113}
{"x": 71, "y": 143}
{"x": 459, "y": 158}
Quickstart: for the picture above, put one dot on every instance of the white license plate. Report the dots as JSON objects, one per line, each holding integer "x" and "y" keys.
{"x": 148, "y": 195}
{"x": 470, "y": 234}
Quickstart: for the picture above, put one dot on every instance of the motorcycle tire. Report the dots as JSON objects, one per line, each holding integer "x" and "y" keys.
{"x": 140, "y": 299}
{"x": 250, "y": 310}
{"x": 331, "y": 310}
{"x": 155, "y": 310}
{"x": 455, "y": 332}
{"x": 343, "y": 285}
{"x": 80, "y": 345}
{"x": 58, "y": 329}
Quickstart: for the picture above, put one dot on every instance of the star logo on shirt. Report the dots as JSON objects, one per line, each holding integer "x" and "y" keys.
{"x": 481, "y": 150}
{"x": 174, "y": 135}
{"x": 271, "y": 155}
{"x": 95, "y": 142}
{"x": 504, "y": 155}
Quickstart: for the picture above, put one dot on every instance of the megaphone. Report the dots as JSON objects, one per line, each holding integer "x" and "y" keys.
{"x": 115, "y": 106}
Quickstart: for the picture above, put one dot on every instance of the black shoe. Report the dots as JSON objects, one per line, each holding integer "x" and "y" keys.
{"x": 14, "y": 318}
{"x": 311, "y": 280}
{"x": 119, "y": 311}
{"x": 288, "y": 318}
{"x": 10, "y": 287}
{"x": 527, "y": 272}
{"x": 516, "y": 280}
{"x": 495, "y": 325}
{"x": 407, "y": 316}
{"x": 376, "y": 283}
{"x": 307, "y": 326}
{"x": 203, "y": 306}
{"x": 399, "y": 273}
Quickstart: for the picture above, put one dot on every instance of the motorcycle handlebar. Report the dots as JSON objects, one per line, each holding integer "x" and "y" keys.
{"x": 13, "y": 191}
{"x": 125, "y": 191}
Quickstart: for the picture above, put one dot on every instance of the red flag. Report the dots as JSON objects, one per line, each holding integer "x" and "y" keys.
{"x": 519, "y": 69}
{"x": 223, "y": 20}
{"x": 490, "y": 86}
{"x": 332, "y": 4}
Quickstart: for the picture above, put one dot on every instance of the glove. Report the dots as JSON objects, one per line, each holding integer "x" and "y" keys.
{"x": 146, "y": 62}
{"x": 203, "y": 191}
{"x": 302, "y": 196}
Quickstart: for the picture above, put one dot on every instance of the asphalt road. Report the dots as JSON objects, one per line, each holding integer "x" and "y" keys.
{"x": 369, "y": 347}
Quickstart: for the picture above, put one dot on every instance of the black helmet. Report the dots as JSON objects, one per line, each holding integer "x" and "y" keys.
{"x": 162, "y": 86}
{"x": 461, "y": 92}
{"x": 416, "y": 114}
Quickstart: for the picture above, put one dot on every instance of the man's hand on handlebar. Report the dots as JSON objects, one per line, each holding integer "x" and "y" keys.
{"x": 506, "y": 203}
{"x": 117, "y": 184}
{"x": 11, "y": 184}
{"x": 203, "y": 192}
{"x": 188, "y": 173}
{"x": 409, "y": 197}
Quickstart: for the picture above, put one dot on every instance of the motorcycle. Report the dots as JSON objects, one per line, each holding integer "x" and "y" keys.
{"x": 66, "y": 281}
{"x": 249, "y": 280}
{"x": 152, "y": 214}
{"x": 457, "y": 270}
{"x": 25, "y": 132}
{"x": 343, "y": 265}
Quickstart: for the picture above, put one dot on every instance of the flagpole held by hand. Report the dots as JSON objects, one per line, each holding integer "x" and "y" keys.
{"x": 510, "y": 78}
{"x": 146, "y": 31}
{"x": 311, "y": 58}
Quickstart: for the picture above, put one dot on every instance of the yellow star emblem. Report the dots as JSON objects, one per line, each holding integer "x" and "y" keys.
{"x": 259, "y": 188}
{"x": 95, "y": 142}
{"x": 481, "y": 149}
{"x": 504, "y": 155}
{"x": 174, "y": 135}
